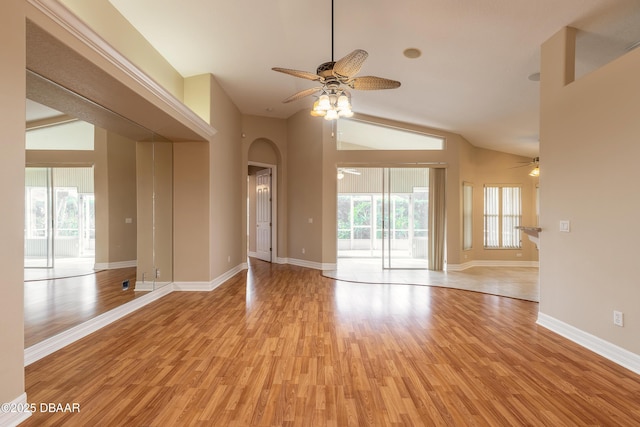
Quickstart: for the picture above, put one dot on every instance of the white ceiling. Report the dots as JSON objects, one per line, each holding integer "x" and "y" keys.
{"x": 471, "y": 78}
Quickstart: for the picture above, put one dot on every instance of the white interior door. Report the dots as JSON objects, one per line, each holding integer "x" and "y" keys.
{"x": 263, "y": 214}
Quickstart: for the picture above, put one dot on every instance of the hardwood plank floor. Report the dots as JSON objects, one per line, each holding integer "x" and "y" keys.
{"x": 283, "y": 346}
{"x": 53, "y": 306}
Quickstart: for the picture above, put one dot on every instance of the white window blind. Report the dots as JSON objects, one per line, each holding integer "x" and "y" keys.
{"x": 502, "y": 213}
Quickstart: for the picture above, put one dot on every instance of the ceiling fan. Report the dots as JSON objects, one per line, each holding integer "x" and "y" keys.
{"x": 534, "y": 162}
{"x": 335, "y": 100}
{"x": 342, "y": 171}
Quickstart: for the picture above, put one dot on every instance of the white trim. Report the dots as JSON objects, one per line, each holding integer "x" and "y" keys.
{"x": 150, "y": 286}
{"x": 76, "y": 27}
{"x": 115, "y": 265}
{"x": 12, "y": 419}
{"x": 50, "y": 345}
{"x": 209, "y": 286}
{"x": 312, "y": 264}
{"x": 604, "y": 348}
{"x": 280, "y": 260}
{"x": 252, "y": 254}
{"x": 490, "y": 263}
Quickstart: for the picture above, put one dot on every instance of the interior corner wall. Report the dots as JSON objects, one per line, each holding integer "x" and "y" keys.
{"x": 12, "y": 164}
{"x": 589, "y": 150}
{"x": 228, "y": 184}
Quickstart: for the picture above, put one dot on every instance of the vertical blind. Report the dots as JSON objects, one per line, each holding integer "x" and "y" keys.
{"x": 502, "y": 213}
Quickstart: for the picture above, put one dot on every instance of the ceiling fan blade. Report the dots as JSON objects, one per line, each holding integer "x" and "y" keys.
{"x": 296, "y": 73}
{"x": 350, "y": 64}
{"x": 351, "y": 171}
{"x": 302, "y": 94}
{"x": 373, "y": 83}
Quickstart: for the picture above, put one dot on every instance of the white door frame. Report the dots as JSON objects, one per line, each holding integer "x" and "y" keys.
{"x": 274, "y": 208}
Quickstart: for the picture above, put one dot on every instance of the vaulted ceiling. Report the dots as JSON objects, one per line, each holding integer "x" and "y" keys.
{"x": 472, "y": 77}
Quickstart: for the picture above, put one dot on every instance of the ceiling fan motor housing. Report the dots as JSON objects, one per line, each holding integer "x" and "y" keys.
{"x": 325, "y": 69}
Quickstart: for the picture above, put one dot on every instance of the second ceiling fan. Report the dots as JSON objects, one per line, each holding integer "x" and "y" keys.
{"x": 334, "y": 99}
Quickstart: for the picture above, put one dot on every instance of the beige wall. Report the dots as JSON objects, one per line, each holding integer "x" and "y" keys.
{"x": 228, "y": 184}
{"x": 191, "y": 192}
{"x": 12, "y": 162}
{"x": 305, "y": 187}
{"x": 589, "y": 150}
{"x": 115, "y": 195}
{"x": 60, "y": 158}
{"x": 105, "y": 20}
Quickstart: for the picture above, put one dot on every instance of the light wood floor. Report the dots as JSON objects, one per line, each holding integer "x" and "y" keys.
{"x": 284, "y": 346}
{"x": 53, "y": 306}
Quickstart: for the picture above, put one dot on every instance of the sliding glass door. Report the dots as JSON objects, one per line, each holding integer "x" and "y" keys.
{"x": 59, "y": 217}
{"x": 383, "y": 214}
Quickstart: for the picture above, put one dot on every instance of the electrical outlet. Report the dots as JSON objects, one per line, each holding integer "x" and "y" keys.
{"x": 618, "y": 318}
{"x": 229, "y": 258}
{"x": 303, "y": 251}
{"x": 157, "y": 273}
{"x": 519, "y": 255}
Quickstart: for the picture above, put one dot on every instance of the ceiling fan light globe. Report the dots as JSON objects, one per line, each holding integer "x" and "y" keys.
{"x": 324, "y": 103}
{"x": 331, "y": 115}
{"x": 345, "y": 113}
{"x": 343, "y": 101}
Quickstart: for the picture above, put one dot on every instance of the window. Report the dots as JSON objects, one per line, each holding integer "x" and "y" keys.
{"x": 360, "y": 135}
{"x": 502, "y": 213}
{"x": 467, "y": 216}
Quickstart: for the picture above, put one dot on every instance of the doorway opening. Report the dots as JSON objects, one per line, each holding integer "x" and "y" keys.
{"x": 262, "y": 212}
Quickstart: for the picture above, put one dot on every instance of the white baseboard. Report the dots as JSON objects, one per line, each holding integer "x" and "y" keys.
{"x": 604, "y": 348}
{"x": 312, "y": 264}
{"x": 16, "y": 413}
{"x": 252, "y": 254}
{"x": 150, "y": 286}
{"x": 48, "y": 346}
{"x": 490, "y": 263}
{"x": 209, "y": 286}
{"x": 114, "y": 265}
{"x": 279, "y": 260}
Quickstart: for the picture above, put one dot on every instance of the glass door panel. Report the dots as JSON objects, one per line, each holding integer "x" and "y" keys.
{"x": 404, "y": 210}
{"x": 38, "y": 236}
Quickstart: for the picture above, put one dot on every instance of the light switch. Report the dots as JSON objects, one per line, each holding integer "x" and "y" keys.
{"x": 565, "y": 226}
{"x": 310, "y": 220}
{"x": 128, "y": 220}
